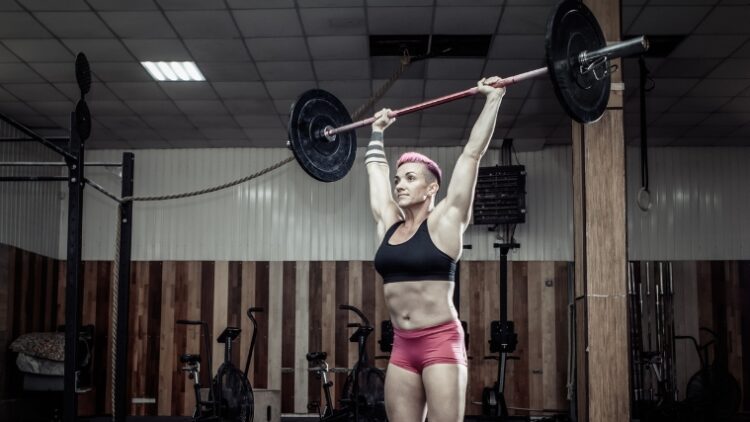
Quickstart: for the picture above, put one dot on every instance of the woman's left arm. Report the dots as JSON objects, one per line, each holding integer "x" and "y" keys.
{"x": 458, "y": 200}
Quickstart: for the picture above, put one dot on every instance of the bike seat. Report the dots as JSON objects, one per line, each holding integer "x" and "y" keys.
{"x": 313, "y": 356}
{"x": 188, "y": 358}
{"x": 229, "y": 333}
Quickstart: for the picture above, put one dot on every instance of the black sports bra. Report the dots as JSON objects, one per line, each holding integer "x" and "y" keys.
{"x": 417, "y": 259}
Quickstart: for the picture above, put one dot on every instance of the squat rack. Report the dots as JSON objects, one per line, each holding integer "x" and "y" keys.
{"x": 74, "y": 161}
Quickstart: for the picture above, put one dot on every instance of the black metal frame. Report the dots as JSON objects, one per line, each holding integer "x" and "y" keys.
{"x": 75, "y": 162}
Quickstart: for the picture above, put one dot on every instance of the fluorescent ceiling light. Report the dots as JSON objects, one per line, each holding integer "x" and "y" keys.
{"x": 174, "y": 71}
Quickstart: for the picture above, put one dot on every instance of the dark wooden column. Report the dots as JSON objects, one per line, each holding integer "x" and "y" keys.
{"x": 601, "y": 251}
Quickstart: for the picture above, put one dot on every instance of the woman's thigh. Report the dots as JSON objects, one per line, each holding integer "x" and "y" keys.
{"x": 404, "y": 395}
{"x": 445, "y": 389}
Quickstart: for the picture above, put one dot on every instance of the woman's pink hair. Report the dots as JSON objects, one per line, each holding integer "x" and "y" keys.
{"x": 415, "y": 157}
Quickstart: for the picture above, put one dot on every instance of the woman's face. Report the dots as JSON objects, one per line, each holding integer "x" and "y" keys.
{"x": 411, "y": 186}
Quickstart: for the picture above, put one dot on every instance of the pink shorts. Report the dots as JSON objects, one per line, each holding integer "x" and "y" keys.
{"x": 414, "y": 350}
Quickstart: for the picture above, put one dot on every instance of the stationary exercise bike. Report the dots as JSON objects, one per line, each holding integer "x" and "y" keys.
{"x": 230, "y": 396}
{"x": 363, "y": 399}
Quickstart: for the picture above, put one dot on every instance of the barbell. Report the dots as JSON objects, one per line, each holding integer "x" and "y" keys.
{"x": 321, "y": 131}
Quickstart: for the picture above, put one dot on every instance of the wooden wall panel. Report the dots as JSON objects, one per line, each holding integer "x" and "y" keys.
{"x": 301, "y": 300}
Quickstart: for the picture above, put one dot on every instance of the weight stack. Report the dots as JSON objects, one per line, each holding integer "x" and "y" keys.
{"x": 500, "y": 195}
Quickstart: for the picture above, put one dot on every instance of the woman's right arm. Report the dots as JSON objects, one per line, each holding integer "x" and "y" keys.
{"x": 384, "y": 208}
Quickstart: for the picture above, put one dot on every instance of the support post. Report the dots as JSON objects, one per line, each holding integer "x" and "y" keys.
{"x": 599, "y": 196}
{"x": 123, "y": 299}
{"x": 73, "y": 283}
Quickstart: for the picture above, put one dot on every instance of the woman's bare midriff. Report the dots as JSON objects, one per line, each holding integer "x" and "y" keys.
{"x": 420, "y": 304}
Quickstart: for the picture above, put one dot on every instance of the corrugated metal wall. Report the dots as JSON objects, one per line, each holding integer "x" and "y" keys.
{"x": 700, "y": 211}
{"x": 286, "y": 215}
{"x": 701, "y": 205}
{"x": 29, "y": 211}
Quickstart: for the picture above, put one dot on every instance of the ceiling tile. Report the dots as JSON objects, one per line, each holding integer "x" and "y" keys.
{"x": 217, "y": 50}
{"x": 20, "y": 25}
{"x": 100, "y": 50}
{"x": 36, "y": 121}
{"x": 122, "y": 122}
{"x": 239, "y": 90}
{"x": 727, "y": 119}
{"x": 334, "y": 21}
{"x": 685, "y": 68}
{"x": 284, "y": 107}
{"x": 682, "y": 20}
{"x": 213, "y": 122}
{"x": 6, "y": 56}
{"x": 705, "y": 131}
{"x": 139, "y": 24}
{"x": 382, "y": 3}
{"x": 167, "y": 122}
{"x": 743, "y": 52}
{"x": 9, "y": 5}
{"x": 385, "y": 67}
{"x": 74, "y": 24}
{"x": 153, "y": 107}
{"x": 400, "y": 20}
{"x": 120, "y": 5}
{"x": 529, "y": 132}
{"x": 342, "y": 69}
{"x": 732, "y": 68}
{"x": 223, "y": 133}
{"x": 45, "y": 50}
{"x": 438, "y": 87}
{"x": 403, "y": 88}
{"x": 276, "y": 136}
{"x": 158, "y": 50}
{"x": 350, "y": 88}
{"x": 720, "y": 87}
{"x": 260, "y": 4}
{"x": 446, "y": 120}
{"x": 539, "y": 88}
{"x": 339, "y": 47}
{"x": 137, "y": 90}
{"x": 108, "y": 108}
{"x": 191, "y": 4}
{"x": 276, "y": 49}
{"x": 52, "y": 107}
{"x": 17, "y": 109}
{"x": 18, "y": 72}
{"x": 268, "y": 23}
{"x": 704, "y": 104}
{"x": 250, "y": 106}
{"x": 203, "y": 24}
{"x": 288, "y": 90}
{"x": 120, "y": 72}
{"x": 178, "y": 136}
{"x": 330, "y": 3}
{"x": 229, "y": 72}
{"x": 523, "y": 20}
{"x": 54, "y": 4}
{"x": 436, "y": 132}
{"x": 710, "y": 46}
{"x": 98, "y": 91}
{"x": 726, "y": 20}
{"x": 188, "y": 90}
{"x": 540, "y": 106}
{"x": 737, "y": 105}
{"x": 517, "y": 47}
{"x": 202, "y": 107}
{"x": 466, "y": 20}
{"x": 6, "y": 96}
{"x": 286, "y": 71}
{"x": 35, "y": 92}
{"x": 544, "y": 120}
{"x": 672, "y": 87}
{"x": 680, "y": 119}
{"x": 255, "y": 121}
{"x": 455, "y": 68}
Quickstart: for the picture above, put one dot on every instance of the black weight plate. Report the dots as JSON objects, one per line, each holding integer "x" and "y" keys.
{"x": 571, "y": 29}
{"x": 83, "y": 120}
{"x": 83, "y": 74}
{"x": 325, "y": 160}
